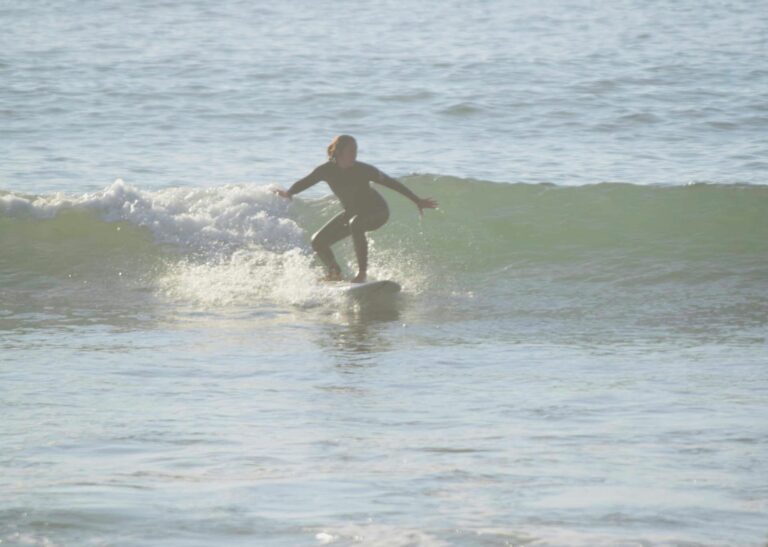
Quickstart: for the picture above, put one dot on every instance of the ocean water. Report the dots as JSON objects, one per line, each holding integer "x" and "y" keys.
{"x": 578, "y": 356}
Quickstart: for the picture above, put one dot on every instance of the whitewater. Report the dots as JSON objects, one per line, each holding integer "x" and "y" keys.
{"x": 577, "y": 357}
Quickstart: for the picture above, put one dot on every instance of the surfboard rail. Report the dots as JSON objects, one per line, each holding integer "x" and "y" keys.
{"x": 381, "y": 287}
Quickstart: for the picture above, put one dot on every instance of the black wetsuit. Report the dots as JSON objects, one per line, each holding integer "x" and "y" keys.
{"x": 364, "y": 208}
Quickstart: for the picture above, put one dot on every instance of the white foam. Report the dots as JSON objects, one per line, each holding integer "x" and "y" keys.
{"x": 243, "y": 277}
{"x": 203, "y": 219}
{"x": 15, "y": 205}
{"x": 375, "y": 534}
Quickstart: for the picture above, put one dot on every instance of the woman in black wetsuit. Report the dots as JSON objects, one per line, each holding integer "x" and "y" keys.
{"x": 364, "y": 208}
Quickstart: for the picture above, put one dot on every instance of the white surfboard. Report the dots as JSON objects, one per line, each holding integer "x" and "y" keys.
{"x": 383, "y": 287}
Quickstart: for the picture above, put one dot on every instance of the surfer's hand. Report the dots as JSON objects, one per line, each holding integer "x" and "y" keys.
{"x": 426, "y": 203}
{"x": 282, "y": 193}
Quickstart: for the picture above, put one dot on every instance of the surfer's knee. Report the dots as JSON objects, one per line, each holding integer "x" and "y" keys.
{"x": 367, "y": 223}
{"x": 378, "y": 219}
{"x": 317, "y": 241}
{"x": 356, "y": 225}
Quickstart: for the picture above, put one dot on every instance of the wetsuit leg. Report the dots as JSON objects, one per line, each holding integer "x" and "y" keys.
{"x": 334, "y": 230}
{"x": 358, "y": 225}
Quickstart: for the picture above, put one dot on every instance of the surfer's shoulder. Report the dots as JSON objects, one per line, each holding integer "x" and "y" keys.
{"x": 371, "y": 172}
{"x": 321, "y": 171}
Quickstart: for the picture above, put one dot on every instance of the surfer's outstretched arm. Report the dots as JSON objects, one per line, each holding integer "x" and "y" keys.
{"x": 300, "y": 185}
{"x": 397, "y": 186}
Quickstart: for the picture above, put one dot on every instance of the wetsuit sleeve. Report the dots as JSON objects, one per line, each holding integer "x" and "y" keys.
{"x": 310, "y": 180}
{"x": 394, "y": 184}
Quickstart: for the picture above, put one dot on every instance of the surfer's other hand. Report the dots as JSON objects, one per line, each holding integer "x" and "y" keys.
{"x": 282, "y": 193}
{"x": 426, "y": 203}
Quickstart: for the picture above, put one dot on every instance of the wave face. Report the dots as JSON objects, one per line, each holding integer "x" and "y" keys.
{"x": 608, "y": 259}
{"x": 692, "y": 254}
{"x": 486, "y": 225}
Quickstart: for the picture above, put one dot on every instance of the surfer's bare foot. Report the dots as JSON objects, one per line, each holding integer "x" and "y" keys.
{"x": 359, "y": 278}
{"x": 333, "y": 275}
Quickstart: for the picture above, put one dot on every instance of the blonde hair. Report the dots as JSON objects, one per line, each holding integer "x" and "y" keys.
{"x": 338, "y": 143}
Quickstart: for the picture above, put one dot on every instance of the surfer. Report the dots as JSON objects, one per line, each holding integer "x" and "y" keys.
{"x": 364, "y": 208}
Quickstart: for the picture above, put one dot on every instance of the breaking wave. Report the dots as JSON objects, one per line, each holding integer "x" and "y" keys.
{"x": 242, "y": 244}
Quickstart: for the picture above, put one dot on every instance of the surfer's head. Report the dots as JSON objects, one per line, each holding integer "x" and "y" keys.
{"x": 343, "y": 151}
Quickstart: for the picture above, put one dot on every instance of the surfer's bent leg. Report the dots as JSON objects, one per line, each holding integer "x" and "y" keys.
{"x": 359, "y": 224}
{"x": 334, "y": 230}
